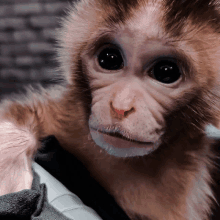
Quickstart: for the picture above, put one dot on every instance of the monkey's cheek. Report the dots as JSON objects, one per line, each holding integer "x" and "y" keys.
{"x": 121, "y": 148}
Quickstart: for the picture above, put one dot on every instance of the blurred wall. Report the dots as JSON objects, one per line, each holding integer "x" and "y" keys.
{"x": 27, "y": 30}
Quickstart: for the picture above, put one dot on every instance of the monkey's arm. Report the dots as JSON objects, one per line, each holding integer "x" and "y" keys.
{"x": 22, "y": 124}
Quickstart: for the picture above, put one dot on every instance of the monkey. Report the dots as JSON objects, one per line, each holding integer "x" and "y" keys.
{"x": 136, "y": 86}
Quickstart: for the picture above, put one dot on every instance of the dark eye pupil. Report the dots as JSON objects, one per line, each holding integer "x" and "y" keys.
{"x": 166, "y": 72}
{"x": 110, "y": 59}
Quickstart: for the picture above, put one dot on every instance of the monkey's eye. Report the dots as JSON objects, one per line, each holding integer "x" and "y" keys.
{"x": 110, "y": 59}
{"x": 166, "y": 71}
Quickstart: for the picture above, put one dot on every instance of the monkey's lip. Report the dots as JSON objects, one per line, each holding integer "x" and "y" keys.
{"x": 118, "y": 140}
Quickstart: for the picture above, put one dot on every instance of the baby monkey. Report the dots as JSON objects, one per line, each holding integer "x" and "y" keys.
{"x": 138, "y": 82}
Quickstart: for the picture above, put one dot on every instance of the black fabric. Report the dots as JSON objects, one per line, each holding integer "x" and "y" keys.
{"x": 29, "y": 204}
{"x": 72, "y": 173}
{"x": 60, "y": 164}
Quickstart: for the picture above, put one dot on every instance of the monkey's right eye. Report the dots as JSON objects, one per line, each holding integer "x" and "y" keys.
{"x": 111, "y": 59}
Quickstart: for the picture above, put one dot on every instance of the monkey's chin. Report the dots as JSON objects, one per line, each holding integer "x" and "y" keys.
{"x": 121, "y": 148}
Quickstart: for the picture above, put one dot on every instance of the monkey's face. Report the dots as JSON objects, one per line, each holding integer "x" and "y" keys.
{"x": 139, "y": 73}
{"x": 135, "y": 80}
{"x": 134, "y": 84}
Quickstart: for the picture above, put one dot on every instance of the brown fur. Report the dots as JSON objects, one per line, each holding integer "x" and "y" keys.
{"x": 171, "y": 183}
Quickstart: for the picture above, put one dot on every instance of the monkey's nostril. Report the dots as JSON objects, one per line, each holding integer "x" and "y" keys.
{"x": 129, "y": 112}
{"x": 120, "y": 113}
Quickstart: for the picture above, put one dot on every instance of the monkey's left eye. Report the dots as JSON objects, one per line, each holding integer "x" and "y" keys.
{"x": 166, "y": 71}
{"x": 110, "y": 59}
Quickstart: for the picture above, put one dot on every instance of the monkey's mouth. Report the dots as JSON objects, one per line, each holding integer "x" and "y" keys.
{"x": 118, "y": 135}
{"x": 118, "y": 140}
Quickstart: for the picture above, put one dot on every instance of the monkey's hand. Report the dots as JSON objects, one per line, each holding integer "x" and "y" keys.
{"x": 22, "y": 122}
{"x": 16, "y": 150}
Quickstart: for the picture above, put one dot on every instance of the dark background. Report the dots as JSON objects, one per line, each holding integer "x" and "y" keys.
{"x": 27, "y": 30}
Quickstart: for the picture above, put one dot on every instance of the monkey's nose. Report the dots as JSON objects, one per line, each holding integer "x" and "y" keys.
{"x": 120, "y": 113}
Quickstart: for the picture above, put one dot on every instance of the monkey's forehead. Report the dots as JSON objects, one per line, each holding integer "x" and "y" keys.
{"x": 172, "y": 15}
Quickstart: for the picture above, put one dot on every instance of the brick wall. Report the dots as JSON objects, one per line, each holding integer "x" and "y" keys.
{"x": 27, "y": 37}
